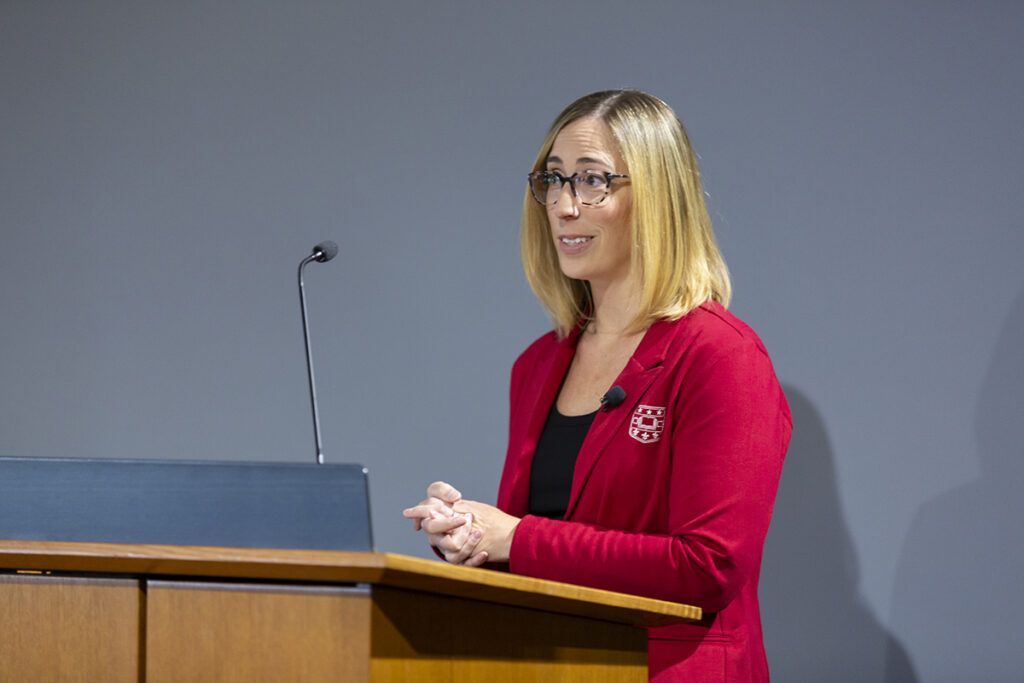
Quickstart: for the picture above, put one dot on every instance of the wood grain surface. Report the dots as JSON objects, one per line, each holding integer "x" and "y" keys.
{"x": 422, "y": 637}
{"x": 236, "y": 633}
{"x": 69, "y": 629}
{"x": 343, "y": 567}
{"x": 164, "y": 614}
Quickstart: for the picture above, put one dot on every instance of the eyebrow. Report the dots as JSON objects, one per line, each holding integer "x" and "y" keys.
{"x": 582, "y": 160}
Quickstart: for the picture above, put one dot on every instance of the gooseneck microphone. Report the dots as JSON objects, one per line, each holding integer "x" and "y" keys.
{"x": 614, "y": 397}
{"x": 322, "y": 253}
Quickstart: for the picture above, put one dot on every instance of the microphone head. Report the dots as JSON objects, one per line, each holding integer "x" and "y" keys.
{"x": 615, "y": 396}
{"x": 325, "y": 251}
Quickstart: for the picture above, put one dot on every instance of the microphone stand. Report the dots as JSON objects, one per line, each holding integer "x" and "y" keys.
{"x": 316, "y": 255}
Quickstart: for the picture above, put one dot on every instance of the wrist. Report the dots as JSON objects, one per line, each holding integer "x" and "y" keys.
{"x": 506, "y": 545}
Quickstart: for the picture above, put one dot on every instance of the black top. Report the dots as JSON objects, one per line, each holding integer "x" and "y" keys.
{"x": 554, "y": 460}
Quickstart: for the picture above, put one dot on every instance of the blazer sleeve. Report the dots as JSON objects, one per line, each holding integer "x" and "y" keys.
{"x": 731, "y": 430}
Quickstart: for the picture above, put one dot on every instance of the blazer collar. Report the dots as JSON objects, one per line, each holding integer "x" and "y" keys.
{"x": 547, "y": 391}
{"x": 535, "y": 404}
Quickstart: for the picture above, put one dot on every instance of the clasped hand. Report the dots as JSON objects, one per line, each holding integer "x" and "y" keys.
{"x": 464, "y": 531}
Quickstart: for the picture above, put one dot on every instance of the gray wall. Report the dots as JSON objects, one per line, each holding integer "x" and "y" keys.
{"x": 163, "y": 168}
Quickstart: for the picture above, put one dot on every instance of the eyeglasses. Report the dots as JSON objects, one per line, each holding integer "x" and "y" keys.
{"x": 590, "y": 187}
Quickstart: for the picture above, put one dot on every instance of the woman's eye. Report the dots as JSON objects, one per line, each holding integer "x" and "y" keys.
{"x": 593, "y": 180}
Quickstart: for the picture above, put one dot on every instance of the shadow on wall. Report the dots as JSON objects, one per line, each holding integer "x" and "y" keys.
{"x": 816, "y": 626}
{"x": 958, "y": 599}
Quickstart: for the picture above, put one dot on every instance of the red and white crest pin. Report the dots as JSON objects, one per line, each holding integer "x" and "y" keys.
{"x": 647, "y": 423}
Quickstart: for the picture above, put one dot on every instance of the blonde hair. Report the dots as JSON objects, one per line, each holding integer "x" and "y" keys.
{"x": 673, "y": 245}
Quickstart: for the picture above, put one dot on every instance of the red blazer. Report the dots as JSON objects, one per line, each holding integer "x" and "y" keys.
{"x": 672, "y": 491}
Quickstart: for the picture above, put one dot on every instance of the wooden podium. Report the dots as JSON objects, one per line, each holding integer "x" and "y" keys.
{"x": 118, "y": 612}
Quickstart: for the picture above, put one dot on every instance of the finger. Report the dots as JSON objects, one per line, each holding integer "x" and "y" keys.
{"x": 465, "y": 528}
{"x": 473, "y": 507}
{"x": 448, "y": 544}
{"x": 415, "y": 516}
{"x": 444, "y": 543}
{"x": 425, "y": 510}
{"x": 442, "y": 525}
{"x": 461, "y": 533}
{"x": 476, "y": 560}
{"x": 428, "y": 509}
{"x": 444, "y": 491}
{"x": 453, "y": 541}
{"x": 467, "y": 549}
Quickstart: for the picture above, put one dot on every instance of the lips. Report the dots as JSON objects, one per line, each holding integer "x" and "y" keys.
{"x": 574, "y": 244}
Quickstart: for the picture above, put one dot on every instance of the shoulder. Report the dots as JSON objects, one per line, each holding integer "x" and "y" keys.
{"x": 711, "y": 341}
{"x": 712, "y": 331}
{"x": 712, "y": 353}
{"x": 541, "y": 348}
{"x": 537, "y": 356}
{"x": 707, "y": 333}
{"x": 534, "y": 363}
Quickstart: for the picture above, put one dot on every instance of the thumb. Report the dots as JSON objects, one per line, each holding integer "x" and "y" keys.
{"x": 444, "y": 491}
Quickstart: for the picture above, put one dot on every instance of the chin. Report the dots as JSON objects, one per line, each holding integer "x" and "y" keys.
{"x": 574, "y": 271}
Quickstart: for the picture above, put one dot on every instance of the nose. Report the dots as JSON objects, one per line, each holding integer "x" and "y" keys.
{"x": 567, "y": 206}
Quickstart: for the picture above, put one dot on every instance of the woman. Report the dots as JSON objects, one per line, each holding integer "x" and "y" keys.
{"x": 648, "y": 429}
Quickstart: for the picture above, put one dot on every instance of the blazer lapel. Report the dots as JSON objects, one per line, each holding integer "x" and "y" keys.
{"x": 537, "y": 404}
{"x": 635, "y": 379}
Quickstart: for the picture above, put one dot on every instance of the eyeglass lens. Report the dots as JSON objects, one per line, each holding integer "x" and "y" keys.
{"x": 591, "y": 187}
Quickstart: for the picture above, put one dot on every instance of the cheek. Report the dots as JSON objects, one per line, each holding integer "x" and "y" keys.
{"x": 620, "y": 227}
{"x": 623, "y": 246}
{"x": 624, "y": 215}
{"x": 552, "y": 220}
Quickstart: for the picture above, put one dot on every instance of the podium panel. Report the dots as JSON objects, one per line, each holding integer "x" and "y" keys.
{"x": 422, "y": 637}
{"x": 69, "y": 629}
{"x": 252, "y": 633}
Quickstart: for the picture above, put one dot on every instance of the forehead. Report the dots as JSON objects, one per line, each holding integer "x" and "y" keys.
{"x": 584, "y": 141}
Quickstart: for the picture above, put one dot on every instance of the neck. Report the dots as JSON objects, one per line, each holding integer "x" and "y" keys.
{"x": 615, "y": 306}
